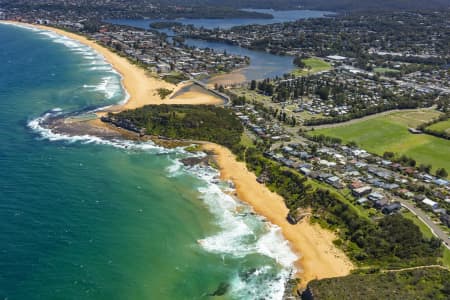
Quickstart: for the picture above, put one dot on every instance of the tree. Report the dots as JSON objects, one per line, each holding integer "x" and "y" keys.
{"x": 441, "y": 172}
{"x": 253, "y": 85}
{"x": 323, "y": 93}
{"x": 298, "y": 61}
{"x": 425, "y": 168}
{"x": 388, "y": 155}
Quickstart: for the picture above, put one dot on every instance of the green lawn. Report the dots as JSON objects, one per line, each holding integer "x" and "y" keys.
{"x": 446, "y": 258}
{"x": 315, "y": 65}
{"x": 390, "y": 133}
{"x": 443, "y": 126}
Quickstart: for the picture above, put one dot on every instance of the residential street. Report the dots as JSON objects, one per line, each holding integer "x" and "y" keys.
{"x": 435, "y": 229}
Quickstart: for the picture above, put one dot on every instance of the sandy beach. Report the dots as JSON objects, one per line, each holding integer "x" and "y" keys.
{"x": 193, "y": 94}
{"x": 142, "y": 88}
{"x": 319, "y": 258}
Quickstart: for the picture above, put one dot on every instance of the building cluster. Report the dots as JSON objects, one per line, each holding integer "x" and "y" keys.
{"x": 347, "y": 91}
{"x": 372, "y": 181}
{"x": 153, "y": 51}
{"x": 380, "y": 35}
{"x": 258, "y": 124}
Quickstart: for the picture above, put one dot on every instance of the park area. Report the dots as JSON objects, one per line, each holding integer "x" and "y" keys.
{"x": 390, "y": 133}
{"x": 313, "y": 65}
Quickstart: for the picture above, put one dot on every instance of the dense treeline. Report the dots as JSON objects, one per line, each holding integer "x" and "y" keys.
{"x": 383, "y": 5}
{"x": 429, "y": 283}
{"x": 203, "y": 122}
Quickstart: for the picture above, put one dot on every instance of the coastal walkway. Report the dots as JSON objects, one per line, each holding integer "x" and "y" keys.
{"x": 226, "y": 98}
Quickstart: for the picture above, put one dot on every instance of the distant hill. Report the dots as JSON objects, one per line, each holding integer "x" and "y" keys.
{"x": 359, "y": 5}
{"x": 223, "y": 8}
{"x": 333, "y": 5}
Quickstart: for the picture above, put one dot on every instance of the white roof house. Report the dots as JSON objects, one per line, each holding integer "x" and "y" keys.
{"x": 430, "y": 203}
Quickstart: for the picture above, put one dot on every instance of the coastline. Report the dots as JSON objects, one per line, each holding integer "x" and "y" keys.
{"x": 319, "y": 258}
{"x": 142, "y": 89}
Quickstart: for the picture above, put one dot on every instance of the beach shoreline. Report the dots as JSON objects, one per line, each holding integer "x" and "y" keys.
{"x": 318, "y": 257}
{"x": 141, "y": 88}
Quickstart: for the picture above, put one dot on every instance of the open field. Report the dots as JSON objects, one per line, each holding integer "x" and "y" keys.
{"x": 315, "y": 65}
{"x": 443, "y": 126}
{"x": 390, "y": 133}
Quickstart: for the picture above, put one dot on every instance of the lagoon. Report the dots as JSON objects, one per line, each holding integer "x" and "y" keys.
{"x": 262, "y": 64}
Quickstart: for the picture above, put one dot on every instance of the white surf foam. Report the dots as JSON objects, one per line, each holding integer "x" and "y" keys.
{"x": 244, "y": 233}
{"x": 109, "y": 87}
{"x": 262, "y": 283}
{"x": 47, "y": 134}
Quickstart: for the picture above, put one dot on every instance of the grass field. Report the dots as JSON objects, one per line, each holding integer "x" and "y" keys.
{"x": 315, "y": 64}
{"x": 443, "y": 126}
{"x": 390, "y": 133}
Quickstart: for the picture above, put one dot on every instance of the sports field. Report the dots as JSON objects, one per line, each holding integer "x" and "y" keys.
{"x": 315, "y": 65}
{"x": 390, "y": 133}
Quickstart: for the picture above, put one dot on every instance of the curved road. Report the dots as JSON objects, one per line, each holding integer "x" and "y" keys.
{"x": 435, "y": 229}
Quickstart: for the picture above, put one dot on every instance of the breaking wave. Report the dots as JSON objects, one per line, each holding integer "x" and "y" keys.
{"x": 244, "y": 233}
{"x": 110, "y": 86}
{"x": 37, "y": 125}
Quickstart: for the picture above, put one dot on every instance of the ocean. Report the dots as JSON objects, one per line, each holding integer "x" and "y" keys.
{"x": 88, "y": 218}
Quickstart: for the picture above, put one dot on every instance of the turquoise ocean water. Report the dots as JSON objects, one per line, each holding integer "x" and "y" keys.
{"x": 86, "y": 218}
